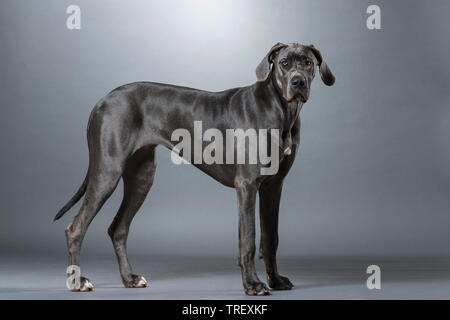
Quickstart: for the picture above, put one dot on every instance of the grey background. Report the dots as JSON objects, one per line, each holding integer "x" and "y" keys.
{"x": 372, "y": 175}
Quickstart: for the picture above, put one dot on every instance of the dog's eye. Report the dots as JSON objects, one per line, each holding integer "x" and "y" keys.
{"x": 308, "y": 62}
{"x": 284, "y": 62}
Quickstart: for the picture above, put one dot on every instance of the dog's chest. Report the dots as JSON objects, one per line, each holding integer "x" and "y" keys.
{"x": 291, "y": 135}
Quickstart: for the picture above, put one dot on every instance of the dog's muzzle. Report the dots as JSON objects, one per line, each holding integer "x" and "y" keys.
{"x": 299, "y": 87}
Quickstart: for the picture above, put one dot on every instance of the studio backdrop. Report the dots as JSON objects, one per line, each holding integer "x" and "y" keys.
{"x": 373, "y": 170}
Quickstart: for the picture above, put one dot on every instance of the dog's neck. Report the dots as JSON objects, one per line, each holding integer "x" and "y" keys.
{"x": 291, "y": 109}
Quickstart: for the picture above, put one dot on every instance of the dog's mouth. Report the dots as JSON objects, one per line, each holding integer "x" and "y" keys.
{"x": 301, "y": 97}
{"x": 298, "y": 97}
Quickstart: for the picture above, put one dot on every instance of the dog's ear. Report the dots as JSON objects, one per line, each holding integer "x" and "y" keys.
{"x": 263, "y": 69}
{"x": 325, "y": 72}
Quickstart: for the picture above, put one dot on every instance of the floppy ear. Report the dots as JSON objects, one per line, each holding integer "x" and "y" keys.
{"x": 325, "y": 72}
{"x": 263, "y": 69}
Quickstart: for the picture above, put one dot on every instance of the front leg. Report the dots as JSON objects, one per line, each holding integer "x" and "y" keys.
{"x": 269, "y": 203}
{"x": 246, "y": 194}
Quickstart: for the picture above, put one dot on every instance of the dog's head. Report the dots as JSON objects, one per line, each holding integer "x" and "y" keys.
{"x": 293, "y": 69}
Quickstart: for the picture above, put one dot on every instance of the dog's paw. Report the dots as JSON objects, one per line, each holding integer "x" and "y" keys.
{"x": 256, "y": 289}
{"x": 277, "y": 282}
{"x": 136, "y": 281}
{"x": 85, "y": 285}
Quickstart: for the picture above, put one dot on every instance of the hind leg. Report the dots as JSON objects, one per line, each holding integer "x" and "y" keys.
{"x": 101, "y": 185}
{"x": 137, "y": 178}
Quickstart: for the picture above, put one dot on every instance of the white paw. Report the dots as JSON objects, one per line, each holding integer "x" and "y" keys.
{"x": 86, "y": 285}
{"x": 142, "y": 283}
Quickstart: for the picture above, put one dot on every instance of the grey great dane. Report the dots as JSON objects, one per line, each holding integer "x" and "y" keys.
{"x": 127, "y": 125}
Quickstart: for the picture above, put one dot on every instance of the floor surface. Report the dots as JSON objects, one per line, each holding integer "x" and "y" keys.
{"x": 176, "y": 277}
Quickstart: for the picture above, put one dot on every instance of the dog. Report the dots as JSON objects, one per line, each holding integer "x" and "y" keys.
{"x": 127, "y": 125}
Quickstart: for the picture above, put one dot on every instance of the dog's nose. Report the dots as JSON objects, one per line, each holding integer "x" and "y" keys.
{"x": 298, "y": 82}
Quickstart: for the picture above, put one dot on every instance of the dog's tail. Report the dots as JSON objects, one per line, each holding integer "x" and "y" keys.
{"x": 77, "y": 196}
